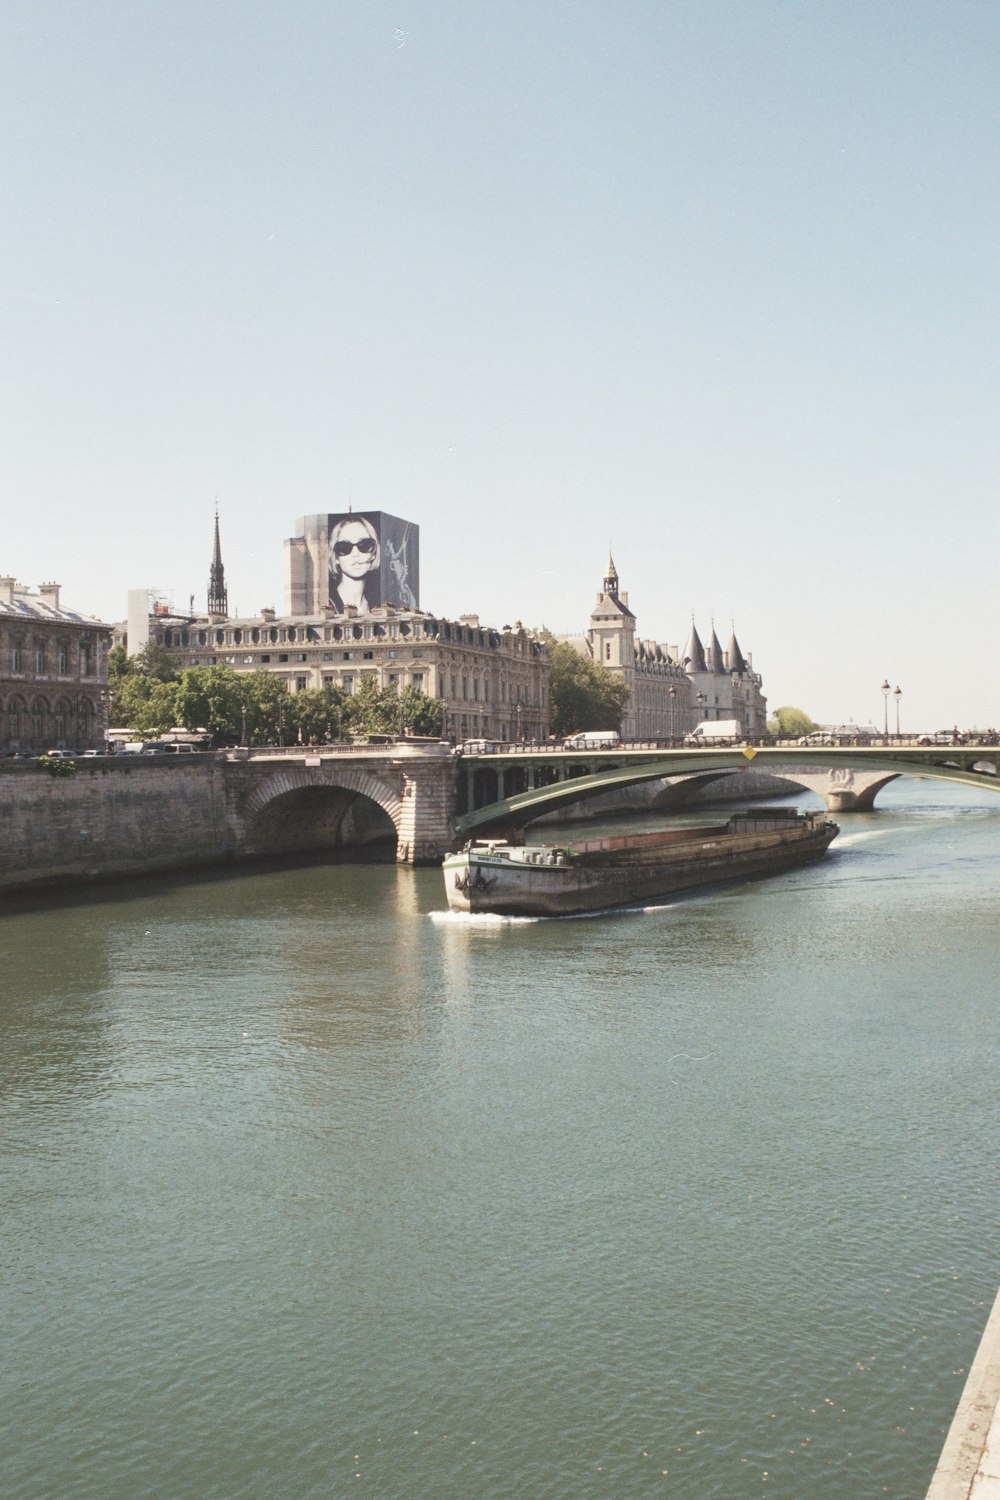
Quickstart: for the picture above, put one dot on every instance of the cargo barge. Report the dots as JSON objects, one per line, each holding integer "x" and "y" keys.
{"x": 545, "y": 880}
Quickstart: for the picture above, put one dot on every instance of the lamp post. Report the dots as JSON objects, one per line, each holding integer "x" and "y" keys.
{"x": 897, "y": 693}
{"x": 885, "y": 708}
{"x": 672, "y": 722}
{"x": 243, "y": 731}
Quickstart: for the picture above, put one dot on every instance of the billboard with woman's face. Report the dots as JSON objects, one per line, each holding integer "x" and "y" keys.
{"x": 353, "y": 560}
{"x": 373, "y": 558}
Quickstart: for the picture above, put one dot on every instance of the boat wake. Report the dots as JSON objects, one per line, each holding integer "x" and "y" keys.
{"x": 478, "y": 919}
{"x": 497, "y": 919}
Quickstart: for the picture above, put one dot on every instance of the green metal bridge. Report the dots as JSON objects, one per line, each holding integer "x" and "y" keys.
{"x": 509, "y": 787}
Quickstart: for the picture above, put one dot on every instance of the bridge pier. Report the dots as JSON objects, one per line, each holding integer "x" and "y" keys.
{"x": 423, "y": 831}
{"x": 842, "y": 788}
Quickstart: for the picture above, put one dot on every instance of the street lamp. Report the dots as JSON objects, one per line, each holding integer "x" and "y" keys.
{"x": 886, "y": 690}
{"x": 897, "y": 693}
{"x": 243, "y": 732}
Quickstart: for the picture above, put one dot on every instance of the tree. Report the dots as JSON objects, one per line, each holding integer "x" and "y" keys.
{"x": 212, "y": 698}
{"x": 420, "y": 714}
{"x": 790, "y": 723}
{"x": 143, "y": 704}
{"x": 142, "y": 690}
{"x": 583, "y": 694}
{"x": 315, "y": 714}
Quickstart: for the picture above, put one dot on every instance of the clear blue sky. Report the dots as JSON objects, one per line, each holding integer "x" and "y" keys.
{"x": 714, "y": 284}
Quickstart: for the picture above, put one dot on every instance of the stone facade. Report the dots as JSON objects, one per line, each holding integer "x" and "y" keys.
{"x": 491, "y": 683}
{"x": 53, "y": 673}
{"x": 670, "y": 691}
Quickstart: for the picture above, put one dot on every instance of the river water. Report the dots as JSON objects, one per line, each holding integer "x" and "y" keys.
{"x": 311, "y": 1191}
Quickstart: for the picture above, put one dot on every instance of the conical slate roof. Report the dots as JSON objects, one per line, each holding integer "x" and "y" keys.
{"x": 737, "y": 662}
{"x": 714, "y": 657}
{"x": 693, "y": 655}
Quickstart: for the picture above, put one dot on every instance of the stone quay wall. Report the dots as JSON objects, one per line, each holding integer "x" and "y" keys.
{"x": 115, "y": 817}
{"x": 111, "y": 819}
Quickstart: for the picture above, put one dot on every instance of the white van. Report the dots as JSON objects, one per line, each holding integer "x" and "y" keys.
{"x": 593, "y": 739}
{"x": 716, "y": 732}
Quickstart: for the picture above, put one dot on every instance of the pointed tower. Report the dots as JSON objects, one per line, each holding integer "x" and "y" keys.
{"x": 611, "y": 579}
{"x": 713, "y": 656}
{"x": 218, "y": 599}
{"x": 735, "y": 657}
{"x": 693, "y": 655}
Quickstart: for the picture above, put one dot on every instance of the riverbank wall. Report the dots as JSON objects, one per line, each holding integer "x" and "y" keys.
{"x": 110, "y": 819}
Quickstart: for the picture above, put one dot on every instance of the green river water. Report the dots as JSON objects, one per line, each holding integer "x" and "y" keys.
{"x": 310, "y": 1190}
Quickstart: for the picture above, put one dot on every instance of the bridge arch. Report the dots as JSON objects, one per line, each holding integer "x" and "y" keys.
{"x": 295, "y": 809}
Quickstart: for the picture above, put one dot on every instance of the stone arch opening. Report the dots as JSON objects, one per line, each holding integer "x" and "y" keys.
{"x": 314, "y": 818}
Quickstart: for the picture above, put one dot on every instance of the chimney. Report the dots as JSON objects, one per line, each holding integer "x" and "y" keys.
{"x": 6, "y": 590}
{"x": 50, "y": 593}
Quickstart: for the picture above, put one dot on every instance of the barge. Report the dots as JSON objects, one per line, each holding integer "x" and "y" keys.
{"x": 544, "y": 880}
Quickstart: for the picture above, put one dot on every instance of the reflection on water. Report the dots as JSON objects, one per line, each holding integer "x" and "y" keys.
{"x": 310, "y": 1188}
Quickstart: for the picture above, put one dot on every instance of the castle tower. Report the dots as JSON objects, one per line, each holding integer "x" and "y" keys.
{"x": 612, "y": 628}
{"x": 218, "y": 598}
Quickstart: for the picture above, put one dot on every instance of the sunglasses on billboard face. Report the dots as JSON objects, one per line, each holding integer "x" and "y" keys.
{"x": 367, "y": 545}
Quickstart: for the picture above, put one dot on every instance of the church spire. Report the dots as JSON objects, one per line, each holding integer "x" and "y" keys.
{"x": 218, "y": 598}
{"x": 611, "y": 578}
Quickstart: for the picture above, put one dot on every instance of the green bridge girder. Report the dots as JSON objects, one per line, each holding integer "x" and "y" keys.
{"x": 972, "y": 765}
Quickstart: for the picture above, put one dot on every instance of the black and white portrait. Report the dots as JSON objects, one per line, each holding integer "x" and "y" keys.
{"x": 355, "y": 564}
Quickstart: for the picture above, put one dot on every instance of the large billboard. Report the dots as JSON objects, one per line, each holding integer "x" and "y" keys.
{"x": 357, "y": 559}
{"x": 373, "y": 558}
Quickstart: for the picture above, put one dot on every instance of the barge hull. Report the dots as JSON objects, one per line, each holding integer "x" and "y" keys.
{"x": 587, "y": 883}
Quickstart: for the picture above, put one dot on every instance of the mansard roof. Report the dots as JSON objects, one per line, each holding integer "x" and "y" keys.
{"x": 37, "y": 608}
{"x": 693, "y": 655}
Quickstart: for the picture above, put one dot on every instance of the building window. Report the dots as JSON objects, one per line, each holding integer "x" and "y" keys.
{"x": 302, "y": 656}
{"x": 15, "y": 657}
{"x": 266, "y": 657}
{"x": 347, "y": 683}
{"x": 300, "y": 684}
{"x": 84, "y": 661}
{"x": 283, "y": 656}
{"x": 63, "y": 659}
{"x": 418, "y": 681}
{"x": 40, "y": 661}
{"x": 368, "y": 655}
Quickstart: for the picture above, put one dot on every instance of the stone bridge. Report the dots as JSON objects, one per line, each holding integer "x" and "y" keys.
{"x": 120, "y": 815}
{"x": 280, "y": 801}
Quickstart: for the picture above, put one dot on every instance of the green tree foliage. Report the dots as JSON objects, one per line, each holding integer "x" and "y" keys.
{"x": 212, "y": 698}
{"x": 256, "y": 707}
{"x": 583, "y": 694}
{"x": 421, "y": 715}
{"x": 142, "y": 690}
{"x": 790, "y": 723}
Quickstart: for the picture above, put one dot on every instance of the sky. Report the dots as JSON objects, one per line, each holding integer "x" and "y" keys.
{"x": 710, "y": 284}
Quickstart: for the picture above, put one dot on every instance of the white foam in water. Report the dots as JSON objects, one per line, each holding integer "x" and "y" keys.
{"x": 478, "y": 918}
{"x": 494, "y": 919}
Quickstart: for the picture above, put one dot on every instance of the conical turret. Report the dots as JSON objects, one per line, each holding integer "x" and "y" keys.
{"x": 713, "y": 656}
{"x": 693, "y": 655}
{"x": 737, "y": 661}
